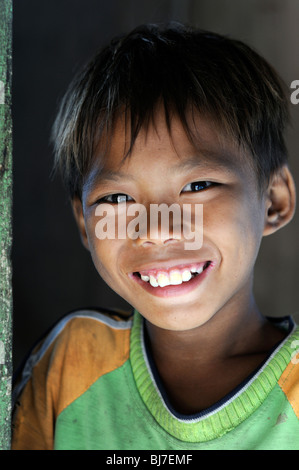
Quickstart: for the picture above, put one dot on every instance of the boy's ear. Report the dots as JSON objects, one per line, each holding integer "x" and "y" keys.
{"x": 280, "y": 201}
{"x": 78, "y": 213}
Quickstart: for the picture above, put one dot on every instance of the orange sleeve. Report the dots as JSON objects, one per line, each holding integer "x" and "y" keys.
{"x": 83, "y": 351}
{"x": 33, "y": 416}
{"x": 289, "y": 383}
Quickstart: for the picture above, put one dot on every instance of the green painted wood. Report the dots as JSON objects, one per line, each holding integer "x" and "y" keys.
{"x": 5, "y": 222}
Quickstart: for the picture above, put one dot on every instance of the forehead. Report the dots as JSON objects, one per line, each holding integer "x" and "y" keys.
{"x": 202, "y": 145}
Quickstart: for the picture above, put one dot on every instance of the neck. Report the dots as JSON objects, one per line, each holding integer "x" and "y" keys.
{"x": 230, "y": 332}
{"x": 200, "y": 366}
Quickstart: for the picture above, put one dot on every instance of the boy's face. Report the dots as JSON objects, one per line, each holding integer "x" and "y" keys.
{"x": 161, "y": 169}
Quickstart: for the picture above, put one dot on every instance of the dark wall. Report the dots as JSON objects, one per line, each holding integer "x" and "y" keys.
{"x": 53, "y": 273}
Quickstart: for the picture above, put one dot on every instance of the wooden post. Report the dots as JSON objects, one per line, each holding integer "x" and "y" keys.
{"x": 5, "y": 222}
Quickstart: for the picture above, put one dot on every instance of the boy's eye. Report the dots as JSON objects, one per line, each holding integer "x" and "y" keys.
{"x": 117, "y": 198}
{"x": 197, "y": 186}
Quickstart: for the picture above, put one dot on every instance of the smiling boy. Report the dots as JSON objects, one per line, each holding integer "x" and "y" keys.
{"x": 187, "y": 118}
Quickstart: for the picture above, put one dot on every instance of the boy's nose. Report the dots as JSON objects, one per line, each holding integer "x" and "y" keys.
{"x": 172, "y": 226}
{"x": 147, "y": 242}
{"x": 159, "y": 231}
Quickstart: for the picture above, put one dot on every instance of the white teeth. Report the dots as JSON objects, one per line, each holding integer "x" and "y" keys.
{"x": 186, "y": 276}
{"x": 175, "y": 278}
{"x": 153, "y": 281}
{"x": 163, "y": 280}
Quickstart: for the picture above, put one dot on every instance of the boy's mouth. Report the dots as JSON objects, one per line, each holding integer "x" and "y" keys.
{"x": 174, "y": 276}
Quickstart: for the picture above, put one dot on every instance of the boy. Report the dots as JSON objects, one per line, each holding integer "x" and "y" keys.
{"x": 161, "y": 117}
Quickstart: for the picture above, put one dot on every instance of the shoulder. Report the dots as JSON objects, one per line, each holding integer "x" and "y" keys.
{"x": 87, "y": 328}
{"x": 77, "y": 350}
{"x": 289, "y": 379}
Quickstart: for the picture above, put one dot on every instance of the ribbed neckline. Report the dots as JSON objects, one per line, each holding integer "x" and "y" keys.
{"x": 224, "y": 415}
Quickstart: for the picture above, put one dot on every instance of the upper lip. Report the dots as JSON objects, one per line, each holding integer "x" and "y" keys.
{"x": 169, "y": 264}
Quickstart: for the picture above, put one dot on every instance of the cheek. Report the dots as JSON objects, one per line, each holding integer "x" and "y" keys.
{"x": 235, "y": 225}
{"x": 108, "y": 258}
{"x": 104, "y": 254}
{"x": 102, "y": 251}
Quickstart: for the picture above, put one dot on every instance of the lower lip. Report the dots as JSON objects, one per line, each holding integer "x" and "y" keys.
{"x": 173, "y": 291}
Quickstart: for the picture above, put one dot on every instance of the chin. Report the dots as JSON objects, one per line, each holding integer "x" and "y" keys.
{"x": 176, "y": 321}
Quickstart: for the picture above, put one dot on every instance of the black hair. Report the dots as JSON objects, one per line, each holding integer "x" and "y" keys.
{"x": 184, "y": 69}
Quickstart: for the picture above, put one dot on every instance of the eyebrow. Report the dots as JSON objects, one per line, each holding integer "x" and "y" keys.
{"x": 208, "y": 161}
{"x": 99, "y": 176}
{"x": 109, "y": 175}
